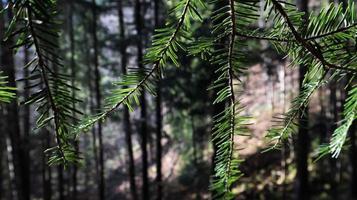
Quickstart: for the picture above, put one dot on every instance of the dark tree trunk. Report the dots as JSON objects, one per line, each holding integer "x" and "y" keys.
{"x": 127, "y": 121}
{"x": 159, "y": 186}
{"x": 334, "y": 110}
{"x": 303, "y": 140}
{"x": 353, "y": 149}
{"x": 26, "y": 122}
{"x": 91, "y": 102}
{"x": 46, "y": 171}
{"x": 87, "y": 35}
{"x": 60, "y": 182}
{"x": 11, "y": 117}
{"x": 98, "y": 100}
{"x": 143, "y": 115}
{"x": 60, "y": 168}
{"x": 353, "y": 160}
{"x": 2, "y": 149}
{"x": 352, "y": 134}
{"x": 10, "y": 170}
{"x": 92, "y": 109}
{"x": 73, "y": 75}
{"x": 2, "y": 124}
{"x": 158, "y": 142}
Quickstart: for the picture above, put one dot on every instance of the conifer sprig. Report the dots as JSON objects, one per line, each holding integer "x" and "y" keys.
{"x": 166, "y": 43}
{"x": 6, "y": 93}
{"x": 313, "y": 50}
{"x": 34, "y": 25}
{"x": 318, "y": 57}
{"x": 350, "y": 115}
{"x": 228, "y": 58}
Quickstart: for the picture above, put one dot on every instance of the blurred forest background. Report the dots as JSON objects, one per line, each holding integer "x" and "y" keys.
{"x": 162, "y": 150}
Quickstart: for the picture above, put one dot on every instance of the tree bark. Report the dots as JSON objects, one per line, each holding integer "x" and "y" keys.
{"x": 333, "y": 162}
{"x": 159, "y": 186}
{"x": 26, "y": 123}
{"x": 12, "y": 124}
{"x": 303, "y": 140}
{"x": 353, "y": 160}
{"x": 73, "y": 75}
{"x": 98, "y": 100}
{"x": 60, "y": 182}
{"x": 143, "y": 114}
{"x": 46, "y": 171}
{"x": 2, "y": 145}
{"x": 92, "y": 108}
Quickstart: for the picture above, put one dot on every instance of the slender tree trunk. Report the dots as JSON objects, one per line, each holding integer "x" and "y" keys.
{"x": 2, "y": 129}
{"x": 73, "y": 75}
{"x": 353, "y": 150}
{"x": 143, "y": 114}
{"x": 302, "y": 157}
{"x": 60, "y": 182}
{"x": 60, "y": 168}
{"x": 26, "y": 122}
{"x": 127, "y": 121}
{"x": 92, "y": 105}
{"x": 12, "y": 124}
{"x": 46, "y": 171}
{"x": 333, "y": 162}
{"x": 98, "y": 100}
{"x": 158, "y": 143}
{"x": 303, "y": 140}
{"x": 10, "y": 169}
{"x": 159, "y": 186}
{"x": 353, "y": 160}
{"x": 2, "y": 145}
{"x": 92, "y": 110}
{"x": 352, "y": 134}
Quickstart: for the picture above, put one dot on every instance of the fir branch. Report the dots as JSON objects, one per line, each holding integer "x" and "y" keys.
{"x": 34, "y": 25}
{"x": 307, "y": 45}
{"x": 43, "y": 69}
{"x": 229, "y": 123}
{"x": 6, "y": 93}
{"x": 313, "y": 80}
{"x": 350, "y": 115}
{"x": 157, "y": 55}
{"x": 340, "y": 30}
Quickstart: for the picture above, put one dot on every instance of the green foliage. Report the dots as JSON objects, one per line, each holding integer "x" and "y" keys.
{"x": 35, "y": 26}
{"x": 6, "y": 93}
{"x": 286, "y": 124}
{"x": 323, "y": 43}
{"x": 166, "y": 43}
{"x": 228, "y": 58}
{"x": 322, "y": 46}
{"x": 350, "y": 115}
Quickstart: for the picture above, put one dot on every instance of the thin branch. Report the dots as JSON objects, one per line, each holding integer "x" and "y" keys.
{"x": 231, "y": 85}
{"x": 256, "y": 37}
